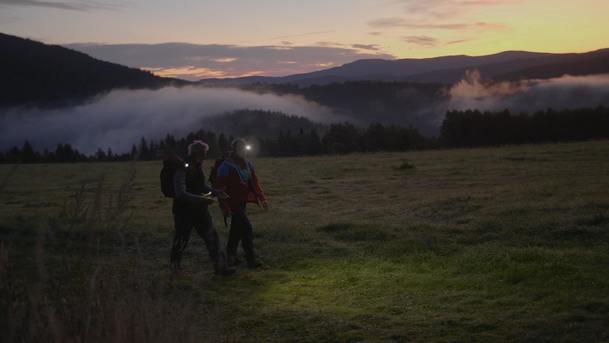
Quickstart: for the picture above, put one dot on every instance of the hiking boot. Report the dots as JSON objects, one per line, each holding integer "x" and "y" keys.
{"x": 232, "y": 261}
{"x": 222, "y": 266}
{"x": 175, "y": 268}
{"x": 177, "y": 272}
{"x": 254, "y": 264}
{"x": 226, "y": 271}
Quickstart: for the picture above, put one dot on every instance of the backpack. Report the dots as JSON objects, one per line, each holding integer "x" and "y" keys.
{"x": 170, "y": 165}
{"x": 226, "y": 157}
{"x": 214, "y": 170}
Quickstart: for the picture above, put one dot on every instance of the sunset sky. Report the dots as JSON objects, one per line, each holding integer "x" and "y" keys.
{"x": 280, "y": 37}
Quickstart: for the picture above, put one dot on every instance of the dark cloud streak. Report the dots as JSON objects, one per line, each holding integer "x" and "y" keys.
{"x": 314, "y": 33}
{"x": 244, "y": 60}
{"x": 82, "y": 6}
{"x": 420, "y": 40}
{"x": 395, "y": 22}
{"x": 371, "y": 47}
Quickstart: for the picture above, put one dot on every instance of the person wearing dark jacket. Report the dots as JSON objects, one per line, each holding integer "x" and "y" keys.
{"x": 192, "y": 197}
{"x": 236, "y": 176}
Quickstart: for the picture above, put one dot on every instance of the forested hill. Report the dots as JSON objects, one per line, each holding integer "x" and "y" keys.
{"x": 44, "y": 75}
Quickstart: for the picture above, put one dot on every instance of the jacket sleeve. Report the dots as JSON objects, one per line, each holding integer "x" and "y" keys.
{"x": 221, "y": 184}
{"x": 208, "y": 189}
{"x": 179, "y": 188}
{"x": 256, "y": 184}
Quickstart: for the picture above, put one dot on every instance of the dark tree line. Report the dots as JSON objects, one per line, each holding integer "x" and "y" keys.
{"x": 338, "y": 138}
{"x": 145, "y": 150}
{"x": 154, "y": 150}
{"x": 460, "y": 129}
{"x": 475, "y": 128}
{"x": 63, "y": 153}
{"x": 343, "y": 138}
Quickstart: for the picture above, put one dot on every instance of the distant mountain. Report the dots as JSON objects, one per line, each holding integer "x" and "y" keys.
{"x": 445, "y": 70}
{"x": 596, "y": 62}
{"x": 48, "y": 75}
{"x": 400, "y": 70}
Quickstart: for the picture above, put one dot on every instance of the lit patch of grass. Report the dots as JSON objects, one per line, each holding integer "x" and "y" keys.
{"x": 469, "y": 292}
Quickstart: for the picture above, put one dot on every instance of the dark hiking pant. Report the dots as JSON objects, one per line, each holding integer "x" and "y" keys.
{"x": 202, "y": 222}
{"x": 241, "y": 231}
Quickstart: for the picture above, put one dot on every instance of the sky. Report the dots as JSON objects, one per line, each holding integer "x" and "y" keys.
{"x": 232, "y": 38}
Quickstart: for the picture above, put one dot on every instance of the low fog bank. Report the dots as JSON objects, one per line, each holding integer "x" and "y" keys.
{"x": 567, "y": 92}
{"x": 120, "y": 118}
{"x": 531, "y": 95}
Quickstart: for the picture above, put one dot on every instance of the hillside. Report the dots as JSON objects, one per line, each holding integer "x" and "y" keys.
{"x": 258, "y": 123}
{"x": 399, "y": 103}
{"x": 48, "y": 75}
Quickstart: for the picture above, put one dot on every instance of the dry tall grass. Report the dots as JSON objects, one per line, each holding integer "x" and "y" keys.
{"x": 110, "y": 304}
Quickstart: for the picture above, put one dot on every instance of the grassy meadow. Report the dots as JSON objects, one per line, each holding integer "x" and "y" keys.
{"x": 489, "y": 245}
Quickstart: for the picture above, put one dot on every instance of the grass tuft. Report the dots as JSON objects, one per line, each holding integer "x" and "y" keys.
{"x": 405, "y": 165}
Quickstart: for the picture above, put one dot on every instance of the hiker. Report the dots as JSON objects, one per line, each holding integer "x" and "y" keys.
{"x": 236, "y": 176}
{"x": 191, "y": 198}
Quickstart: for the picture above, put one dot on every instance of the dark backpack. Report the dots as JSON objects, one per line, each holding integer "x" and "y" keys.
{"x": 214, "y": 170}
{"x": 170, "y": 165}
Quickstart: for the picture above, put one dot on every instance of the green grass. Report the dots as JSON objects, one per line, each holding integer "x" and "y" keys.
{"x": 497, "y": 244}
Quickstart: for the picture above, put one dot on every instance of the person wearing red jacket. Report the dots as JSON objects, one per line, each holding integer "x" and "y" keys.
{"x": 236, "y": 176}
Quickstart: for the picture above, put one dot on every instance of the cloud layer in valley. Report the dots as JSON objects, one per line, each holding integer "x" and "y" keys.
{"x": 530, "y": 95}
{"x": 527, "y": 96}
{"x": 121, "y": 118}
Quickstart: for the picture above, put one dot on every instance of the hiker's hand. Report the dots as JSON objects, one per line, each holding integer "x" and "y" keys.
{"x": 265, "y": 205}
{"x": 227, "y": 220}
{"x": 222, "y": 195}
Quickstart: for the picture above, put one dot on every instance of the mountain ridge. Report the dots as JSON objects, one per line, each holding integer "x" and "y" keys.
{"x": 43, "y": 75}
{"x": 442, "y": 69}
